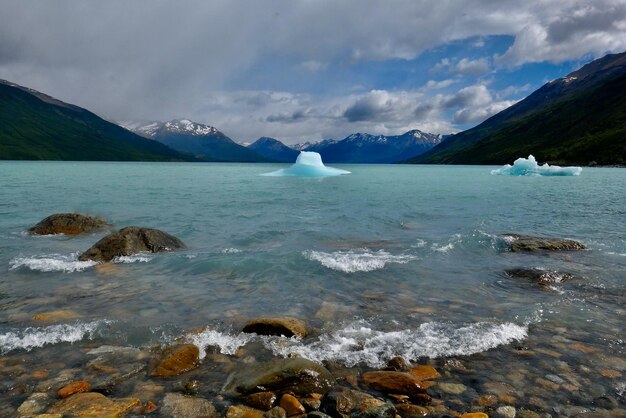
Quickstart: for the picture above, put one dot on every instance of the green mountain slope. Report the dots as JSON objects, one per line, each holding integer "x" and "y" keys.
{"x": 573, "y": 120}
{"x": 34, "y": 126}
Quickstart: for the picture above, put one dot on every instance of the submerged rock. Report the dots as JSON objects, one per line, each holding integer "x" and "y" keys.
{"x": 242, "y": 411}
{"x": 277, "y": 326}
{"x": 291, "y": 405}
{"x": 261, "y": 400}
{"x": 68, "y": 224}
{"x": 93, "y": 405}
{"x": 342, "y": 401}
{"x": 393, "y": 382}
{"x": 56, "y": 316}
{"x": 384, "y": 411}
{"x": 131, "y": 240}
{"x": 176, "y": 360}
{"x": 35, "y": 404}
{"x": 521, "y": 243}
{"x": 296, "y": 375}
{"x": 544, "y": 278}
{"x": 181, "y": 406}
{"x": 74, "y": 388}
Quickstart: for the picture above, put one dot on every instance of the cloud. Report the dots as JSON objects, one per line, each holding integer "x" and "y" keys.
{"x": 314, "y": 66}
{"x": 479, "y": 114}
{"x": 472, "y": 67}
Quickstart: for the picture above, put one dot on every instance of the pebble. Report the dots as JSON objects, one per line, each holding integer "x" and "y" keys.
{"x": 452, "y": 388}
{"x": 506, "y": 411}
{"x": 73, "y": 388}
{"x": 35, "y": 404}
{"x": 291, "y": 405}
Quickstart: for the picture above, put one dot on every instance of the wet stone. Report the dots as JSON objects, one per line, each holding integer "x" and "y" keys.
{"x": 35, "y": 404}
{"x": 486, "y": 400}
{"x": 506, "y": 412}
{"x": 475, "y": 415}
{"x": 176, "y": 360}
{"x": 342, "y": 401}
{"x": 94, "y": 405}
{"x": 73, "y": 388}
{"x": 261, "y": 400}
{"x": 520, "y": 242}
{"x": 242, "y": 411}
{"x": 384, "y": 411}
{"x": 276, "y": 412}
{"x": 452, "y": 388}
{"x": 182, "y": 406}
{"x": 291, "y": 405}
{"x": 56, "y": 316}
{"x": 425, "y": 372}
{"x": 278, "y": 326}
{"x": 311, "y": 404}
{"x": 398, "y": 364}
{"x": 411, "y": 411}
{"x": 393, "y": 382}
{"x": 317, "y": 414}
{"x": 525, "y": 413}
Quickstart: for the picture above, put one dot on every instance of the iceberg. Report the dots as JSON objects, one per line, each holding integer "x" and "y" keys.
{"x": 308, "y": 164}
{"x": 529, "y": 167}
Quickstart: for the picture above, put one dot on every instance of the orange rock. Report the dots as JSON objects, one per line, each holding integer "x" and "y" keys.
{"x": 102, "y": 368}
{"x": 40, "y": 374}
{"x": 425, "y": 372}
{"x": 394, "y": 382}
{"x": 241, "y": 411}
{"x": 261, "y": 400}
{"x": 93, "y": 405}
{"x": 73, "y": 388}
{"x": 291, "y": 405}
{"x": 56, "y": 316}
{"x": 149, "y": 407}
{"x": 475, "y": 415}
{"x": 582, "y": 348}
{"x": 486, "y": 400}
{"x": 177, "y": 360}
{"x": 611, "y": 374}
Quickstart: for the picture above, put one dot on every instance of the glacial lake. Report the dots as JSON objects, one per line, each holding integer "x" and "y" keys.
{"x": 391, "y": 260}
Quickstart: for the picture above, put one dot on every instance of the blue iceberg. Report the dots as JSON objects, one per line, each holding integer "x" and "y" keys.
{"x": 529, "y": 167}
{"x": 308, "y": 164}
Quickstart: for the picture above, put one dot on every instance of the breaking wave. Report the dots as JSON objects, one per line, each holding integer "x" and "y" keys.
{"x": 356, "y": 261}
{"x": 33, "y": 337}
{"x": 52, "y": 262}
{"x": 358, "y": 343}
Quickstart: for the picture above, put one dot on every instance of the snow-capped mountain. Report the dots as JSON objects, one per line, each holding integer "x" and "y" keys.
{"x": 361, "y": 148}
{"x": 195, "y": 138}
{"x": 274, "y": 149}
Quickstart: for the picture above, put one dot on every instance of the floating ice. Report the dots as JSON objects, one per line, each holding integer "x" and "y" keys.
{"x": 529, "y": 167}
{"x": 353, "y": 261}
{"x": 358, "y": 343}
{"x": 308, "y": 164}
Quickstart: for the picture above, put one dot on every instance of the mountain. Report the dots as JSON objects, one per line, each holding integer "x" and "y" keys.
{"x": 203, "y": 141}
{"x": 577, "y": 119}
{"x": 274, "y": 149}
{"x": 35, "y": 126}
{"x": 366, "y": 148}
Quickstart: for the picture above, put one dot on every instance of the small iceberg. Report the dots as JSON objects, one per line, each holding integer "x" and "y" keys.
{"x": 308, "y": 164}
{"x": 529, "y": 167}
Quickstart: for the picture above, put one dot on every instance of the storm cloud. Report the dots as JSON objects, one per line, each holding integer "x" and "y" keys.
{"x": 282, "y": 67}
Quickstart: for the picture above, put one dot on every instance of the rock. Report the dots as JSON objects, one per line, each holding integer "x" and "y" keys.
{"x": 411, "y": 411}
{"x": 525, "y": 413}
{"x": 452, "y": 388}
{"x": 73, "y": 388}
{"x": 425, "y": 372}
{"x": 506, "y": 411}
{"x": 486, "y": 400}
{"x": 311, "y": 403}
{"x": 176, "y": 360}
{"x": 521, "y": 242}
{"x": 397, "y": 364}
{"x": 131, "y": 240}
{"x": 296, "y": 375}
{"x": 48, "y": 416}
{"x": 611, "y": 374}
{"x": 276, "y": 412}
{"x": 384, "y": 411}
{"x": 543, "y": 278}
{"x": 291, "y": 405}
{"x": 475, "y": 415}
{"x": 181, "y": 406}
{"x": 606, "y": 402}
{"x": 261, "y": 400}
{"x": 56, "y": 316}
{"x": 35, "y": 404}
{"x": 342, "y": 401}
{"x": 317, "y": 414}
{"x": 68, "y": 224}
{"x": 242, "y": 411}
{"x": 394, "y": 382}
{"x": 277, "y": 326}
{"x": 93, "y": 405}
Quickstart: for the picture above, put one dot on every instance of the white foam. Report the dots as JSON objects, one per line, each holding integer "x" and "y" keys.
{"x": 51, "y": 262}
{"x": 308, "y": 164}
{"x": 231, "y": 251}
{"x": 530, "y": 167}
{"x": 32, "y": 337}
{"x": 420, "y": 243}
{"x": 127, "y": 259}
{"x": 358, "y": 343}
{"x": 442, "y": 249}
{"x": 228, "y": 344}
{"x": 356, "y": 261}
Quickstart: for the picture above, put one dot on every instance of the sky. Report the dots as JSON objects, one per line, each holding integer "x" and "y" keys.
{"x": 302, "y": 70}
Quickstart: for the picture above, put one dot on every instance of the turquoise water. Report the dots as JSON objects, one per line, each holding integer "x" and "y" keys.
{"x": 389, "y": 260}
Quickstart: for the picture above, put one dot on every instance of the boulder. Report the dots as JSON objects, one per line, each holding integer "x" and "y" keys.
{"x": 131, "y": 240}
{"x": 176, "y": 360}
{"x": 68, "y": 224}
{"x": 277, "y": 326}
{"x": 543, "y": 278}
{"x": 93, "y": 405}
{"x": 296, "y": 375}
{"x": 181, "y": 406}
{"x": 520, "y": 243}
{"x": 393, "y": 382}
